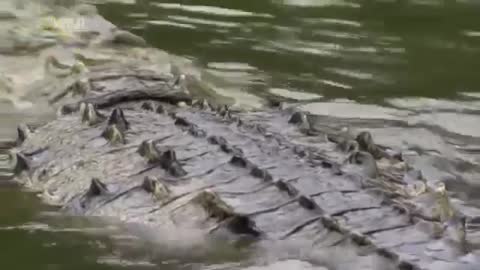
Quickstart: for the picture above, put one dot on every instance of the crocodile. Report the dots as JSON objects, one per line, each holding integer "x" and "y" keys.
{"x": 142, "y": 148}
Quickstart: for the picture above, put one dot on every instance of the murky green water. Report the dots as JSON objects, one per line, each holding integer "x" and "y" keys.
{"x": 355, "y": 49}
{"x": 379, "y": 57}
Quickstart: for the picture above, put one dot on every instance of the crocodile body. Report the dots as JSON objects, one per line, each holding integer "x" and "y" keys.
{"x": 140, "y": 149}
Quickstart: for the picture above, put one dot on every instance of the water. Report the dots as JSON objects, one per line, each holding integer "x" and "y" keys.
{"x": 355, "y": 49}
{"x": 406, "y": 70}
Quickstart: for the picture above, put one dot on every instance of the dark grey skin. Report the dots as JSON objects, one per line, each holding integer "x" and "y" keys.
{"x": 348, "y": 146}
{"x": 254, "y": 175}
{"x": 365, "y": 143}
{"x": 90, "y": 115}
{"x": 23, "y": 132}
{"x": 114, "y": 134}
{"x": 366, "y": 161}
{"x": 456, "y": 230}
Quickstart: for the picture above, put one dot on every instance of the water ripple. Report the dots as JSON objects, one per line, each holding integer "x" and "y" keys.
{"x": 336, "y": 21}
{"x": 211, "y": 10}
{"x": 170, "y": 23}
{"x": 356, "y": 74}
{"x": 190, "y": 20}
{"x": 318, "y": 3}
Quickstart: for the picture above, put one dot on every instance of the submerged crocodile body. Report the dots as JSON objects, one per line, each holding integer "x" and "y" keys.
{"x": 138, "y": 148}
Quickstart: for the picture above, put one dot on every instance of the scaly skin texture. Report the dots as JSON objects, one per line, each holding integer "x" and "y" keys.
{"x": 127, "y": 150}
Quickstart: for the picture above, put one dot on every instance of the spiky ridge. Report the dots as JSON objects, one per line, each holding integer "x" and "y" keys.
{"x": 322, "y": 191}
{"x": 19, "y": 161}
{"x": 114, "y": 134}
{"x": 90, "y": 115}
{"x": 23, "y": 132}
{"x": 117, "y": 118}
{"x": 97, "y": 188}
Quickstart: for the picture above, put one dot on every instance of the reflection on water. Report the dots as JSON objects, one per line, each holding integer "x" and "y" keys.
{"x": 406, "y": 70}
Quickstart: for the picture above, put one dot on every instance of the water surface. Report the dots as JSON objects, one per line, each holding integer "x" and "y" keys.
{"x": 405, "y": 70}
{"x": 355, "y": 49}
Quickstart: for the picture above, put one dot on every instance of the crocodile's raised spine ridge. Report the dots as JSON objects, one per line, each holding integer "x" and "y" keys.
{"x": 114, "y": 134}
{"x": 90, "y": 115}
{"x": 148, "y": 106}
{"x": 20, "y": 163}
{"x": 117, "y": 117}
{"x": 255, "y": 153}
{"x": 97, "y": 188}
{"x": 23, "y": 132}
